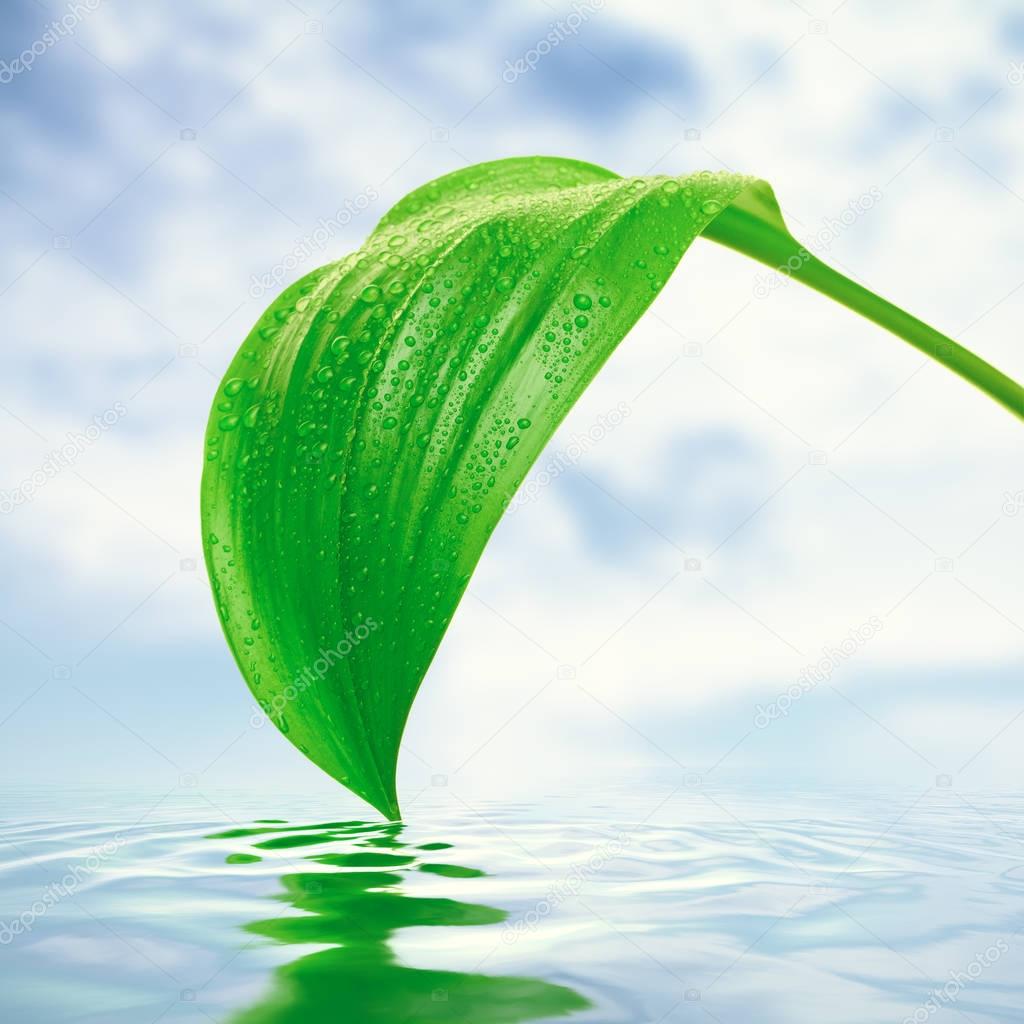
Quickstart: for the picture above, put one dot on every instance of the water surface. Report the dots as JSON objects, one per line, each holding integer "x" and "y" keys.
{"x": 664, "y": 902}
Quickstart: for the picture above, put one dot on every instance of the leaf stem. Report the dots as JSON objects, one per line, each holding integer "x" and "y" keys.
{"x": 748, "y": 231}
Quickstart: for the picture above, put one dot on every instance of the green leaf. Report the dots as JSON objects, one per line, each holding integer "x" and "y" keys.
{"x": 380, "y": 416}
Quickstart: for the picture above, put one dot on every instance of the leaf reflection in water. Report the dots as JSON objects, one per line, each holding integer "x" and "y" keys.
{"x": 355, "y": 909}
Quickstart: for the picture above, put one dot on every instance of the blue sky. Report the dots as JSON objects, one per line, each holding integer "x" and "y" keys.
{"x": 784, "y": 471}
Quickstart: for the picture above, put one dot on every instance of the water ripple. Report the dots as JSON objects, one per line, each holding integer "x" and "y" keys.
{"x": 735, "y": 905}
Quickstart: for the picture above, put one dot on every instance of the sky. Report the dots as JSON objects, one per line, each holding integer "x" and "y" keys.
{"x": 759, "y": 483}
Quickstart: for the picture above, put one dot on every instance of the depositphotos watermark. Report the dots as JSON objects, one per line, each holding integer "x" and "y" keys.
{"x": 311, "y": 244}
{"x": 48, "y": 38}
{"x": 560, "y": 31}
{"x": 944, "y": 997}
{"x": 66, "y": 886}
{"x": 831, "y": 229}
{"x": 565, "y": 888}
{"x": 578, "y": 446}
{"x": 821, "y": 671}
{"x": 1013, "y": 503}
{"x": 312, "y": 674}
{"x": 61, "y": 458}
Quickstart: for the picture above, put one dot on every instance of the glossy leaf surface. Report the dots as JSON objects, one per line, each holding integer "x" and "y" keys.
{"x": 381, "y": 414}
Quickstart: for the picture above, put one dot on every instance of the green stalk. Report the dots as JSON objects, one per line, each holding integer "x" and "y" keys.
{"x": 746, "y": 229}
